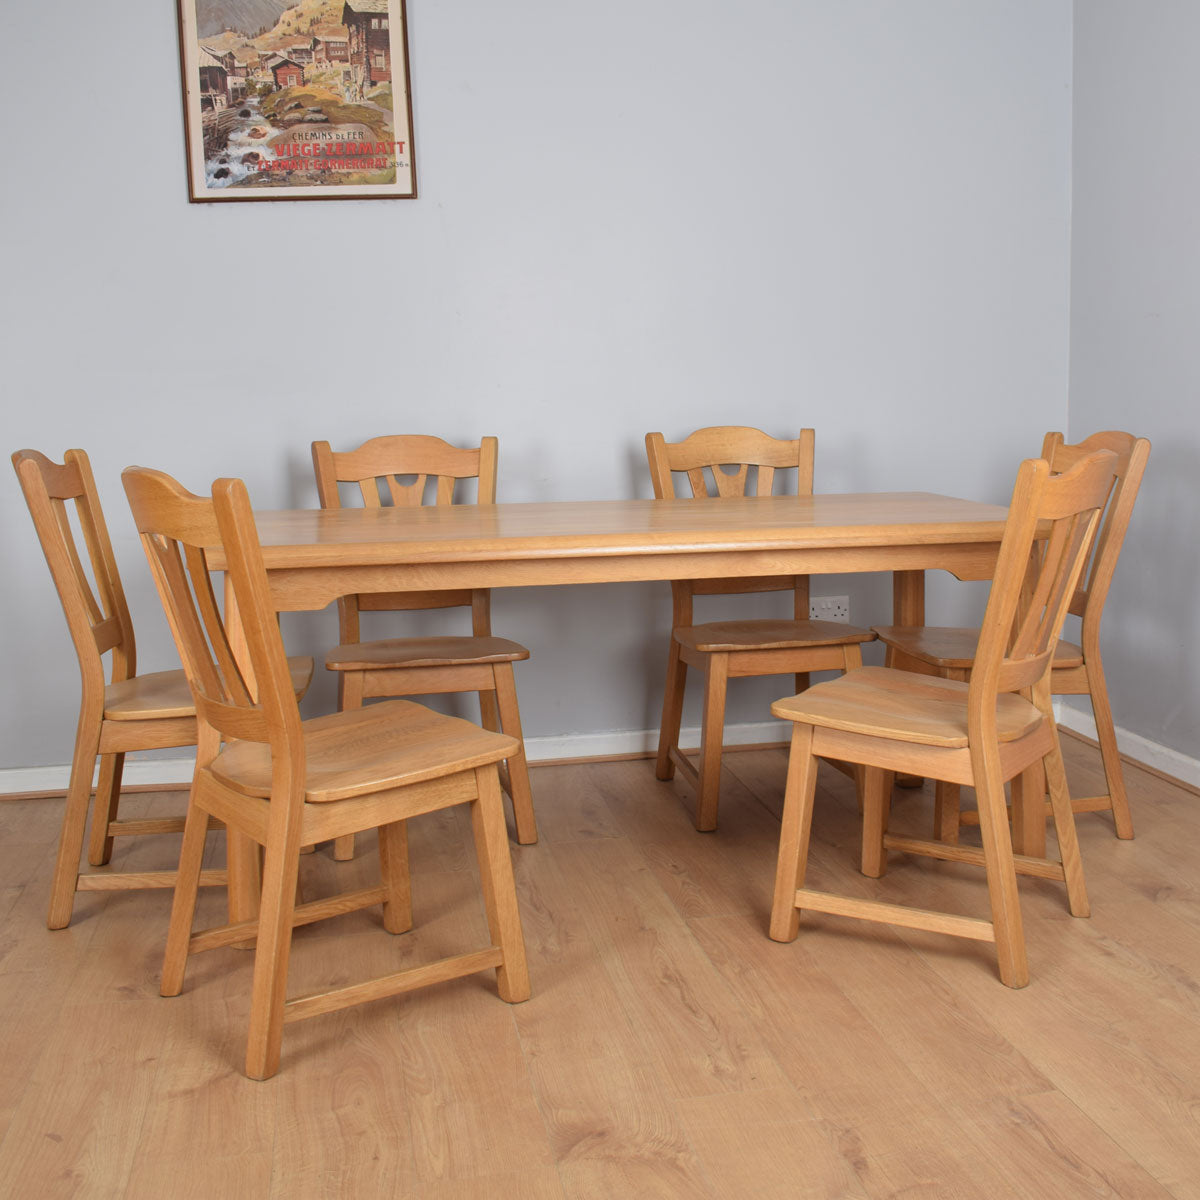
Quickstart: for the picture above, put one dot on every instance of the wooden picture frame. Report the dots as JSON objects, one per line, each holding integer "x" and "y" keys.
{"x": 314, "y": 104}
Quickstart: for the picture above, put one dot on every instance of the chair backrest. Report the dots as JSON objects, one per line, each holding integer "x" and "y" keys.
{"x": 98, "y": 617}
{"x": 179, "y": 532}
{"x": 1132, "y": 454}
{"x": 717, "y": 461}
{"x": 384, "y": 463}
{"x": 1051, "y": 524}
{"x": 731, "y": 460}
{"x": 404, "y": 470}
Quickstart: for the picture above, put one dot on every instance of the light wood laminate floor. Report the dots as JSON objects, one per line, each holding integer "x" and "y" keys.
{"x": 670, "y": 1049}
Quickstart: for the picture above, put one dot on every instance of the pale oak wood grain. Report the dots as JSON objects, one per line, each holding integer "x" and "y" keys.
{"x": 310, "y": 554}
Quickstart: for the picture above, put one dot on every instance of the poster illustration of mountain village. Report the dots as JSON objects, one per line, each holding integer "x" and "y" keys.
{"x": 296, "y": 99}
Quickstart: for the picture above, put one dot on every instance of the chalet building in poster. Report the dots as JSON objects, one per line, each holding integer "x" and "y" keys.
{"x": 332, "y": 45}
{"x": 214, "y": 80}
{"x": 370, "y": 38}
{"x": 286, "y": 73}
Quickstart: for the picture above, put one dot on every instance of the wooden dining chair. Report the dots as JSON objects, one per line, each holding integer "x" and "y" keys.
{"x": 285, "y": 783}
{"x": 1078, "y": 668}
{"x": 118, "y": 714}
{"x": 733, "y": 460}
{"x": 996, "y": 727}
{"x": 409, "y": 470}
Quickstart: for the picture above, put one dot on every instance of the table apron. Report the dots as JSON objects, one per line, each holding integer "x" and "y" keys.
{"x": 308, "y": 588}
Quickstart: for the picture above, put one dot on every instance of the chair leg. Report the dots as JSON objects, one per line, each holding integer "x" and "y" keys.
{"x": 489, "y": 714}
{"x": 712, "y": 737}
{"x": 852, "y": 661}
{"x": 74, "y": 822}
{"x": 268, "y": 994}
{"x": 499, "y": 888}
{"x": 350, "y": 695}
{"x": 672, "y": 713}
{"x": 183, "y": 904}
{"x": 393, "y": 873}
{"x": 1107, "y": 737}
{"x": 108, "y": 794}
{"x": 509, "y": 715}
{"x": 890, "y": 659}
{"x": 243, "y": 858}
{"x": 794, "y": 832}
{"x": 489, "y": 718}
{"x": 353, "y": 686}
{"x": 1064, "y": 830}
{"x": 947, "y": 797}
{"x": 946, "y": 811}
{"x": 1001, "y": 875}
{"x": 877, "y": 803}
{"x": 1029, "y": 812}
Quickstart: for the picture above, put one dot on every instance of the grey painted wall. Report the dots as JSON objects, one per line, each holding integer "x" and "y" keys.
{"x": 853, "y": 215}
{"x": 1135, "y": 300}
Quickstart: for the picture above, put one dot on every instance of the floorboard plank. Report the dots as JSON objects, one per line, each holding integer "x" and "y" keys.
{"x": 670, "y": 1049}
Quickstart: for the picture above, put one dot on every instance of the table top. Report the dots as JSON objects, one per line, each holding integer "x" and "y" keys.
{"x": 299, "y": 538}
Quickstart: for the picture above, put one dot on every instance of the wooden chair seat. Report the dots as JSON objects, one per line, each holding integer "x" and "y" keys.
{"x": 346, "y": 754}
{"x": 1078, "y": 669}
{"x": 734, "y": 460}
{"x": 996, "y": 728}
{"x": 1067, "y": 656}
{"x": 412, "y": 470}
{"x": 424, "y": 652}
{"x": 145, "y": 697}
{"x": 716, "y": 637}
{"x": 953, "y": 648}
{"x": 903, "y": 706}
{"x": 164, "y": 694}
{"x": 282, "y": 782}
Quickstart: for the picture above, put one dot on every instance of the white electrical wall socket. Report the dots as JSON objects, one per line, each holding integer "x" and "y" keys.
{"x": 829, "y": 608}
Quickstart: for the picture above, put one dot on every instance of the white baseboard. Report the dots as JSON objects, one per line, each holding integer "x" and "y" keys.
{"x": 1161, "y": 758}
{"x": 644, "y": 741}
{"x": 153, "y": 772}
{"x": 167, "y": 771}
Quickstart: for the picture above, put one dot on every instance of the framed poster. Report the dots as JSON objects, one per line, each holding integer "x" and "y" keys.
{"x": 296, "y": 99}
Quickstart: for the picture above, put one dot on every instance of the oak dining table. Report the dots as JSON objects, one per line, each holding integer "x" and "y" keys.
{"x": 313, "y": 556}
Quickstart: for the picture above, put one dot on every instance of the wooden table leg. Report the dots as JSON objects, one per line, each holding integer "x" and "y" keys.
{"x": 908, "y": 597}
{"x": 908, "y": 608}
